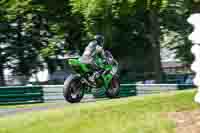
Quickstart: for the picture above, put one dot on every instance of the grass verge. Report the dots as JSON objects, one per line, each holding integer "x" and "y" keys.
{"x": 126, "y": 115}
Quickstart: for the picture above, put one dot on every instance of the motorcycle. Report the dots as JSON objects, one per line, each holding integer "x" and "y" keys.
{"x": 79, "y": 80}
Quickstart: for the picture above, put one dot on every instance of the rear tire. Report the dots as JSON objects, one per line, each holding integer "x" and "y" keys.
{"x": 114, "y": 89}
{"x": 73, "y": 90}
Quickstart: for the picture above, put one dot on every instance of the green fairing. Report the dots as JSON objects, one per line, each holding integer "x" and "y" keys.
{"x": 77, "y": 63}
{"x": 107, "y": 80}
{"x": 108, "y": 67}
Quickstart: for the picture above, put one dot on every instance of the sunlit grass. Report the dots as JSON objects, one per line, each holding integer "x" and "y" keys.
{"x": 126, "y": 115}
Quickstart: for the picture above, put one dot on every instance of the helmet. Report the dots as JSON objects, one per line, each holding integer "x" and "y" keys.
{"x": 99, "y": 39}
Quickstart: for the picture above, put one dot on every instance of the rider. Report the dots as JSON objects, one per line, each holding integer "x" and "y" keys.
{"x": 93, "y": 49}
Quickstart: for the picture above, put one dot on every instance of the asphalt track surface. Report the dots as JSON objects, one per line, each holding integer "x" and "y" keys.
{"x": 13, "y": 111}
{"x": 6, "y": 111}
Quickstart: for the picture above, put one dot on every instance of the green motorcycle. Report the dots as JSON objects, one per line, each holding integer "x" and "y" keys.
{"x": 80, "y": 81}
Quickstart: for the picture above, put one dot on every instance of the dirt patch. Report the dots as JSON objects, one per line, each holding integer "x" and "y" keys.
{"x": 187, "y": 121}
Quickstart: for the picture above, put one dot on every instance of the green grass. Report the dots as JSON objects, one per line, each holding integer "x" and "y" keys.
{"x": 126, "y": 115}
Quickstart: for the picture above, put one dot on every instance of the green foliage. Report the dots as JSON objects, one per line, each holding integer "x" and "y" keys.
{"x": 47, "y": 28}
{"x": 49, "y": 51}
{"x": 33, "y": 30}
{"x": 137, "y": 28}
{"x": 126, "y": 20}
{"x": 176, "y": 26}
{"x": 110, "y": 17}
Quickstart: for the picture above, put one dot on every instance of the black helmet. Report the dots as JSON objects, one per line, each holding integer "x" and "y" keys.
{"x": 99, "y": 39}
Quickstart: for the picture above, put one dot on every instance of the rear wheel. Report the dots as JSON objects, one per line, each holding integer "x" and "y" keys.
{"x": 114, "y": 89}
{"x": 73, "y": 89}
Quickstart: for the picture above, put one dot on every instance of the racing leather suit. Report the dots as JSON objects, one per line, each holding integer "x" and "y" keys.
{"x": 89, "y": 57}
{"x": 91, "y": 51}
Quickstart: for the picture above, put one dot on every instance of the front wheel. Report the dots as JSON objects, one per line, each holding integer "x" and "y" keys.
{"x": 114, "y": 89}
{"x": 73, "y": 89}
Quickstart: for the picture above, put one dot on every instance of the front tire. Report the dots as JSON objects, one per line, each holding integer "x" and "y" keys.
{"x": 73, "y": 90}
{"x": 114, "y": 89}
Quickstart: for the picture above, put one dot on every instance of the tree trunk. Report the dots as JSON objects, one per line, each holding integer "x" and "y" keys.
{"x": 154, "y": 38}
{"x": 2, "y": 80}
{"x": 157, "y": 64}
{"x": 51, "y": 65}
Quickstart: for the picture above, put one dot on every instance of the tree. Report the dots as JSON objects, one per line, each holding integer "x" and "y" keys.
{"x": 125, "y": 21}
{"x": 176, "y": 26}
{"x": 21, "y": 55}
{"x": 4, "y": 45}
{"x": 37, "y": 30}
{"x": 66, "y": 29}
{"x": 34, "y": 31}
